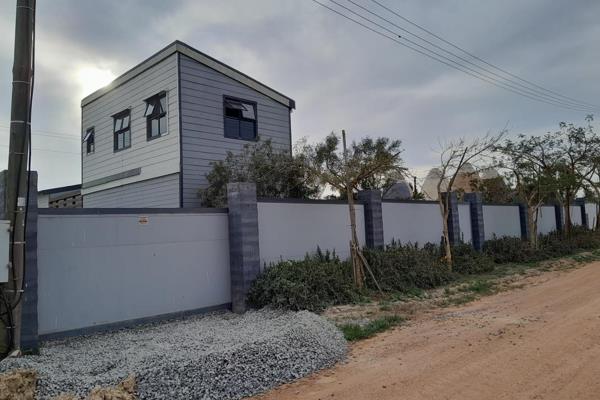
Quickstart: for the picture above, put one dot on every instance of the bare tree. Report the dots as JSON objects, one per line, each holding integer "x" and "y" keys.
{"x": 454, "y": 155}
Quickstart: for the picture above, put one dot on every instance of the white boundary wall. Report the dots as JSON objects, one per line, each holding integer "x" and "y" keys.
{"x": 591, "y": 211}
{"x": 288, "y": 231}
{"x": 546, "y": 220}
{"x": 464, "y": 219}
{"x": 412, "y": 222}
{"x": 501, "y": 221}
{"x": 102, "y": 269}
{"x": 576, "y": 215}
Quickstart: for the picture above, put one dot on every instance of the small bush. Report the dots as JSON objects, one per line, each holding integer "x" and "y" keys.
{"x": 509, "y": 249}
{"x": 353, "y": 332}
{"x": 468, "y": 261}
{"x": 405, "y": 267}
{"x": 317, "y": 282}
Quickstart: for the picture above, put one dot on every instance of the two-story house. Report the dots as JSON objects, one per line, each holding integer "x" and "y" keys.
{"x": 150, "y": 136}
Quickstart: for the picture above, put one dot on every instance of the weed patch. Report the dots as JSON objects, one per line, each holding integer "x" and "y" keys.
{"x": 354, "y": 332}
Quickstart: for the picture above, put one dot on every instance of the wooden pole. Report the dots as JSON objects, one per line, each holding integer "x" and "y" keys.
{"x": 20, "y": 120}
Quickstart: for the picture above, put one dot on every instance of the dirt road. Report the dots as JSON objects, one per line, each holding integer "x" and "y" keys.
{"x": 538, "y": 342}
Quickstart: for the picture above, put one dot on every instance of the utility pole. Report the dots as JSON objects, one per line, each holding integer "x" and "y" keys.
{"x": 20, "y": 129}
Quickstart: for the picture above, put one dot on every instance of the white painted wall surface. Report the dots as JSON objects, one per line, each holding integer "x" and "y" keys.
{"x": 464, "y": 219}
{"x": 501, "y": 221}
{"x": 546, "y": 220}
{"x": 289, "y": 231}
{"x": 412, "y": 222}
{"x": 100, "y": 269}
{"x": 591, "y": 211}
{"x": 576, "y": 215}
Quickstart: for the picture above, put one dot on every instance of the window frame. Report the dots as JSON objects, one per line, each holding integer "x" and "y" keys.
{"x": 90, "y": 133}
{"x": 121, "y": 115}
{"x": 150, "y": 118}
{"x": 255, "y": 120}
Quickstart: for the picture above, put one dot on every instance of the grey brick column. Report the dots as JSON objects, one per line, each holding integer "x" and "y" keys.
{"x": 584, "y": 217}
{"x": 558, "y": 215}
{"x": 523, "y": 210}
{"x": 29, "y": 314}
{"x": 371, "y": 200}
{"x": 244, "y": 257}
{"x": 453, "y": 221}
{"x": 475, "y": 201}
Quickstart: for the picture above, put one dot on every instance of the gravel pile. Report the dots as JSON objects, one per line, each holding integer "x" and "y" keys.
{"x": 219, "y": 356}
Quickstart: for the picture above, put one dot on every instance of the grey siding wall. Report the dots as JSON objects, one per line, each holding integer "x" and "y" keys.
{"x": 157, "y": 157}
{"x": 161, "y": 192}
{"x": 203, "y": 141}
{"x": 105, "y": 269}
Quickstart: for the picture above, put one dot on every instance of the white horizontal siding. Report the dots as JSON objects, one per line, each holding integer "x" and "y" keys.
{"x": 158, "y": 157}
{"x": 203, "y": 141}
{"x": 160, "y": 192}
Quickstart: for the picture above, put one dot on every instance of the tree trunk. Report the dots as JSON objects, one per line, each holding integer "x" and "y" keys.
{"x": 532, "y": 216}
{"x": 444, "y": 208}
{"x": 567, "y": 212}
{"x": 357, "y": 265}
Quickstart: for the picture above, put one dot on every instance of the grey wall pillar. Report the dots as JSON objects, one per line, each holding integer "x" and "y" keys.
{"x": 244, "y": 257}
{"x": 523, "y": 210}
{"x": 29, "y": 315}
{"x": 558, "y": 215}
{"x": 371, "y": 200}
{"x": 453, "y": 221}
{"x": 584, "y": 217}
{"x": 475, "y": 201}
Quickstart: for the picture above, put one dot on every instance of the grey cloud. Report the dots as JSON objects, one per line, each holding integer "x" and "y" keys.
{"x": 340, "y": 75}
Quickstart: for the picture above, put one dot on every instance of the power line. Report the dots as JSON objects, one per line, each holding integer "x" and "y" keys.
{"x": 479, "y": 59}
{"x": 438, "y": 57}
{"x": 47, "y": 133}
{"x": 51, "y": 150}
{"x": 462, "y": 67}
{"x": 520, "y": 86}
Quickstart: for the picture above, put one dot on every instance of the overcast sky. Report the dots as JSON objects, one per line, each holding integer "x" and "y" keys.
{"x": 340, "y": 75}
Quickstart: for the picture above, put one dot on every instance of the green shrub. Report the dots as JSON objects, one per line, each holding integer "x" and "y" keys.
{"x": 405, "y": 267}
{"x": 317, "y": 282}
{"x": 468, "y": 261}
{"x": 509, "y": 249}
{"x": 551, "y": 245}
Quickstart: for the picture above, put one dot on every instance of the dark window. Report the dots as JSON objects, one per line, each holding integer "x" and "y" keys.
{"x": 122, "y": 130}
{"x": 89, "y": 140}
{"x": 240, "y": 118}
{"x": 156, "y": 116}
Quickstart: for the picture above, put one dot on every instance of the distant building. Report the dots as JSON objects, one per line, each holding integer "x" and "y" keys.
{"x": 150, "y": 136}
{"x": 429, "y": 188}
{"x": 400, "y": 190}
{"x": 60, "y": 197}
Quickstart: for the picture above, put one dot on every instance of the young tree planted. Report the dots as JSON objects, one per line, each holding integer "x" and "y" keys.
{"x": 454, "y": 156}
{"x": 367, "y": 164}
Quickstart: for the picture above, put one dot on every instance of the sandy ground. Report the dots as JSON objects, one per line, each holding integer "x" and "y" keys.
{"x": 538, "y": 342}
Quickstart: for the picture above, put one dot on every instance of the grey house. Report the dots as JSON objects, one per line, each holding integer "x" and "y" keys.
{"x": 149, "y": 137}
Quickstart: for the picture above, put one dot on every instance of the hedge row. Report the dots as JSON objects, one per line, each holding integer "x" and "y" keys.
{"x": 322, "y": 279}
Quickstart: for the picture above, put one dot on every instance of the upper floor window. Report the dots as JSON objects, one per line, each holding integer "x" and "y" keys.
{"x": 122, "y": 131}
{"x": 89, "y": 140}
{"x": 240, "y": 118}
{"x": 156, "y": 116}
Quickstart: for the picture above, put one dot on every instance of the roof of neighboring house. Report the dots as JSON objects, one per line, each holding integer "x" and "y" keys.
{"x": 61, "y": 189}
{"x": 180, "y": 47}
